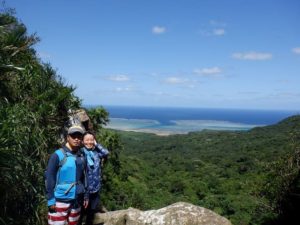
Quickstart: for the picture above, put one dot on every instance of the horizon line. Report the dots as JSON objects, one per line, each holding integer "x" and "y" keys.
{"x": 191, "y": 107}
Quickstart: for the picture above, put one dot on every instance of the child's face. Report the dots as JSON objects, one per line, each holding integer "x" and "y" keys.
{"x": 89, "y": 141}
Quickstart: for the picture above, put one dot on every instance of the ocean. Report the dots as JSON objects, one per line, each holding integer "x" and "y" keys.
{"x": 172, "y": 120}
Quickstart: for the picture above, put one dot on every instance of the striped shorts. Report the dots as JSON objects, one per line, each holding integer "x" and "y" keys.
{"x": 66, "y": 213}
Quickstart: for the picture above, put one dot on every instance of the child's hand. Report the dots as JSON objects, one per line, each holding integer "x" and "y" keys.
{"x": 52, "y": 209}
{"x": 85, "y": 203}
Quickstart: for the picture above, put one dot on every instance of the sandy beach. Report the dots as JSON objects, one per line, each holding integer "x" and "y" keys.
{"x": 175, "y": 127}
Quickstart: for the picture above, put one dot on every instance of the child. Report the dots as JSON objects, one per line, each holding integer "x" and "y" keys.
{"x": 95, "y": 154}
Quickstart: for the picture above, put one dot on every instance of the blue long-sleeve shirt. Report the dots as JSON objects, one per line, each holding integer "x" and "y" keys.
{"x": 51, "y": 176}
{"x": 94, "y": 157}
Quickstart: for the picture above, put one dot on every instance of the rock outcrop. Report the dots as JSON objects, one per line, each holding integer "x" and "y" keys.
{"x": 180, "y": 213}
{"x": 84, "y": 119}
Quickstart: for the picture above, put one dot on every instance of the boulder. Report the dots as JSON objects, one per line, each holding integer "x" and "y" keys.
{"x": 83, "y": 118}
{"x": 180, "y": 213}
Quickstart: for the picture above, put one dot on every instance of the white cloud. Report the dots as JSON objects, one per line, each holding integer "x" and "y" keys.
{"x": 181, "y": 82}
{"x": 296, "y": 50}
{"x": 123, "y": 89}
{"x": 248, "y": 93}
{"x": 219, "y": 32}
{"x": 286, "y": 95}
{"x": 118, "y": 78}
{"x": 158, "y": 30}
{"x": 175, "y": 80}
{"x": 215, "y": 28}
{"x": 208, "y": 71}
{"x": 214, "y": 32}
{"x": 252, "y": 56}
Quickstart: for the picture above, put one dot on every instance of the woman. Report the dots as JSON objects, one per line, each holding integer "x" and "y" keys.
{"x": 95, "y": 154}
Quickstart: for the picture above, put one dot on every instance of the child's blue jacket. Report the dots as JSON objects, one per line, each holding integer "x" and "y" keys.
{"x": 94, "y": 157}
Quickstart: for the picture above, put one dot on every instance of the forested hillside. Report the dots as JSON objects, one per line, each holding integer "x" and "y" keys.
{"x": 34, "y": 105}
{"x": 245, "y": 176}
{"x": 33, "y": 108}
{"x": 249, "y": 177}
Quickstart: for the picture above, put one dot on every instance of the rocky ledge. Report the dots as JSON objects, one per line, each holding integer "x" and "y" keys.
{"x": 180, "y": 213}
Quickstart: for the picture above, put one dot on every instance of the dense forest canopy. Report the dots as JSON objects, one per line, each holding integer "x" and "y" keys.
{"x": 248, "y": 177}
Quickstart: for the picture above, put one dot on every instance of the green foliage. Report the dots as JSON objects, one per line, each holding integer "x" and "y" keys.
{"x": 34, "y": 104}
{"x": 33, "y": 107}
{"x": 280, "y": 180}
{"x": 98, "y": 116}
{"x": 244, "y": 176}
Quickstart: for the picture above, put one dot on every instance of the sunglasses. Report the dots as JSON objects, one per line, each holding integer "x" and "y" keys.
{"x": 76, "y": 135}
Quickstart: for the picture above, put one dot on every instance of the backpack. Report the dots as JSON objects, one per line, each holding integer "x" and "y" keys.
{"x": 61, "y": 163}
{"x": 64, "y": 159}
{"x": 62, "y": 155}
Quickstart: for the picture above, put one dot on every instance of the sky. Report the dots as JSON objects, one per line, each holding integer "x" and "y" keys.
{"x": 181, "y": 53}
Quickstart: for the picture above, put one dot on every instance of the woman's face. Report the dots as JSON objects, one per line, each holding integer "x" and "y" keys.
{"x": 89, "y": 141}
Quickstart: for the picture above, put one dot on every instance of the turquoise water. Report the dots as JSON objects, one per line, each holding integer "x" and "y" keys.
{"x": 177, "y": 126}
{"x": 165, "y": 121}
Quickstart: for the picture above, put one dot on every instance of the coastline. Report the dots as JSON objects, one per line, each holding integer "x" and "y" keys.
{"x": 150, "y": 131}
{"x": 175, "y": 126}
{"x": 165, "y": 121}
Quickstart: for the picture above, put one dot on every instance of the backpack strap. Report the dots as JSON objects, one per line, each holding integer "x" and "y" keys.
{"x": 62, "y": 160}
{"x": 62, "y": 156}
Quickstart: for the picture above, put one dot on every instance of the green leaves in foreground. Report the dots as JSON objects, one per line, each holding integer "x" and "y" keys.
{"x": 33, "y": 108}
